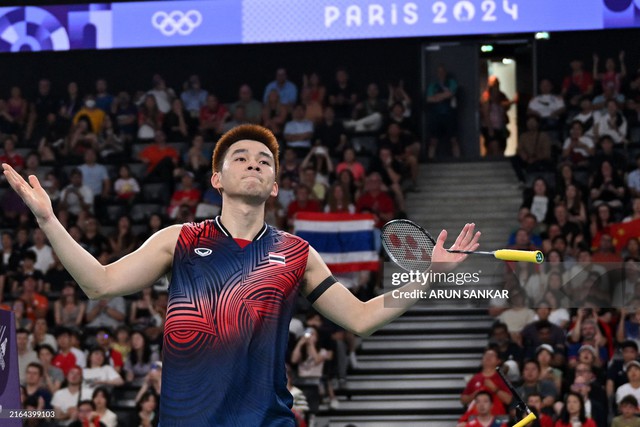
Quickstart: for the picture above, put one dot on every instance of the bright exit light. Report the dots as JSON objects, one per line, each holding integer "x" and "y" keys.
{"x": 486, "y": 48}
{"x": 543, "y": 35}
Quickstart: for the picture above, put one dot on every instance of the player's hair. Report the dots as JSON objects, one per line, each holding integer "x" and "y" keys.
{"x": 242, "y": 132}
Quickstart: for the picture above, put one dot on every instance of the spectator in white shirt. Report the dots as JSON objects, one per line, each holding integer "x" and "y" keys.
{"x": 547, "y": 106}
{"x": 298, "y": 131}
{"x": 612, "y": 123}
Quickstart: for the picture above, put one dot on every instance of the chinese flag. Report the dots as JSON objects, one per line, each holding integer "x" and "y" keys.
{"x": 623, "y": 231}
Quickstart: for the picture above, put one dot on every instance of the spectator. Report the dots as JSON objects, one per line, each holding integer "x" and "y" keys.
{"x": 252, "y": 107}
{"x": 607, "y": 152}
{"x": 628, "y": 408}
{"x": 147, "y": 407}
{"x": 194, "y": 97}
{"x": 300, "y": 405}
{"x": 487, "y": 381}
{"x": 342, "y": 95}
{"x": 126, "y": 186}
{"x": 350, "y": 162}
{"x": 586, "y": 333}
{"x": 95, "y": 176}
{"x": 617, "y": 370}
{"x": 101, "y": 398}
{"x": 607, "y": 187}
{"x": 375, "y": 201}
{"x": 65, "y": 359}
{"x": 152, "y": 383}
{"x": 160, "y": 158}
{"x": 576, "y": 85}
{"x": 93, "y": 239}
{"x": 99, "y": 373}
{"x": 112, "y": 356}
{"x": 87, "y": 415}
{"x": 188, "y": 195}
{"x": 534, "y": 151}
{"x": 69, "y": 310}
{"x": 43, "y": 105}
{"x": 610, "y": 76}
{"x": 573, "y": 412}
{"x": 140, "y": 360}
{"x": 517, "y": 316}
{"x": 404, "y": 150}
{"x": 52, "y": 376}
{"x": 310, "y": 359}
{"x": 577, "y": 149}
{"x": 238, "y": 117}
{"x": 319, "y": 160}
{"x": 633, "y": 386}
{"x": 104, "y": 99}
{"x": 161, "y": 94}
{"x": 507, "y": 349}
{"x": 313, "y": 97}
{"x": 303, "y": 203}
{"x": 635, "y": 215}
{"x": 64, "y": 401}
{"x": 339, "y": 201}
{"x": 176, "y": 123}
{"x": 612, "y": 123}
{"x": 125, "y": 115}
{"x": 594, "y": 408}
{"x": 36, "y": 304}
{"x": 37, "y": 395}
{"x": 542, "y": 331}
{"x": 533, "y": 383}
{"x": 17, "y": 106}
{"x": 41, "y": 335}
{"x": 570, "y": 230}
{"x": 633, "y": 179}
{"x": 534, "y": 402}
{"x": 540, "y": 201}
{"x": 274, "y": 114}
{"x": 544, "y": 357}
{"x": 298, "y": 131}
{"x": 150, "y": 118}
{"x": 286, "y": 89}
{"x": 122, "y": 342}
{"x": 484, "y": 417}
{"x": 26, "y": 354}
{"x": 547, "y": 106}
{"x": 92, "y": 112}
{"x": 442, "y": 112}
{"x": 368, "y": 115}
{"x": 212, "y": 116}
{"x": 586, "y": 116}
{"x": 576, "y": 208}
{"x": 494, "y": 106}
{"x": 76, "y": 196}
{"x": 109, "y": 313}
{"x": 390, "y": 171}
{"x": 10, "y": 155}
{"x": 330, "y": 133}
{"x": 122, "y": 241}
{"x": 44, "y": 253}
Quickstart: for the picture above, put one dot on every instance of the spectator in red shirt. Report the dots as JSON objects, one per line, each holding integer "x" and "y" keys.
{"x": 375, "y": 201}
{"x": 487, "y": 380}
{"x": 302, "y": 203}
{"x": 534, "y": 402}
{"x": 484, "y": 416}
{"x": 36, "y": 305}
{"x": 349, "y": 162}
{"x": 576, "y": 85}
{"x": 112, "y": 356}
{"x": 187, "y": 195}
{"x": 10, "y": 155}
{"x": 65, "y": 359}
{"x": 212, "y": 116}
{"x": 160, "y": 159}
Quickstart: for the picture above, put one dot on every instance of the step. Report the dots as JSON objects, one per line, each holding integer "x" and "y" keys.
{"x": 374, "y": 420}
{"x": 419, "y": 366}
{"x": 437, "y": 327}
{"x": 433, "y": 405}
{"x": 436, "y": 384}
{"x": 409, "y": 344}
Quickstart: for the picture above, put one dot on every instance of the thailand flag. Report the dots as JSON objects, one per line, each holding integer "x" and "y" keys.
{"x": 344, "y": 241}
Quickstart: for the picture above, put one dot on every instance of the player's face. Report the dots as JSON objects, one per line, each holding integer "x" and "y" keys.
{"x": 247, "y": 172}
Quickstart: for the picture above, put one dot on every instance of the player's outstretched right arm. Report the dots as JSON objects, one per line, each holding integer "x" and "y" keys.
{"x": 125, "y": 276}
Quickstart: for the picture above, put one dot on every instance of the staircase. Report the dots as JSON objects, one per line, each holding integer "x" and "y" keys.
{"x": 411, "y": 372}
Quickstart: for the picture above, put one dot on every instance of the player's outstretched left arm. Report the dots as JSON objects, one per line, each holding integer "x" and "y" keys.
{"x": 340, "y": 306}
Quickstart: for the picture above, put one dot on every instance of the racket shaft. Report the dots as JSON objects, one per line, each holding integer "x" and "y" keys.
{"x": 526, "y": 420}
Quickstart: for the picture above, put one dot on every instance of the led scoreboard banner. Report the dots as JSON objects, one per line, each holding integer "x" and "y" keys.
{"x": 210, "y": 22}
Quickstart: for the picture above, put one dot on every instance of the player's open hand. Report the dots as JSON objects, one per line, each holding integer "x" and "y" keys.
{"x": 32, "y": 193}
{"x": 467, "y": 240}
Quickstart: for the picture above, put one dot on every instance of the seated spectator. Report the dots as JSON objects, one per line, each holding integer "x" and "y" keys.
{"x": 101, "y": 398}
{"x": 274, "y": 114}
{"x": 122, "y": 342}
{"x": 354, "y": 166}
{"x": 540, "y": 201}
{"x": 303, "y": 203}
{"x": 152, "y": 383}
{"x": 313, "y": 180}
{"x": 507, "y": 349}
{"x": 628, "y": 408}
{"x": 194, "y": 97}
{"x": 87, "y": 415}
{"x": 108, "y": 313}
{"x": 547, "y": 106}
{"x": 398, "y": 114}
{"x": 533, "y": 383}
{"x": 612, "y": 124}
{"x": 122, "y": 241}
{"x": 404, "y": 149}
{"x": 160, "y": 158}
{"x": 252, "y": 107}
{"x": 65, "y": 359}
{"x": 161, "y": 93}
{"x": 585, "y": 332}
{"x": 483, "y": 403}
{"x": 593, "y": 409}
{"x": 318, "y": 159}
{"x": 36, "y": 305}
{"x": 605, "y": 253}
{"x": 91, "y": 111}
{"x": 391, "y": 172}
{"x": 600, "y": 223}
{"x": 577, "y": 149}
{"x": 177, "y": 122}
{"x": 76, "y": 196}
{"x": 617, "y": 370}
{"x": 577, "y": 84}
{"x": 64, "y": 401}
{"x": 517, "y": 316}
{"x": 607, "y": 152}
{"x": 339, "y": 201}
{"x": 544, "y": 356}
{"x": 576, "y": 208}
{"x": 197, "y": 159}
{"x": 10, "y": 155}
{"x": 125, "y": 115}
{"x": 52, "y": 377}
{"x": 140, "y": 360}
{"x": 342, "y": 95}
{"x": 238, "y": 117}
{"x": 287, "y": 91}
{"x": 92, "y": 239}
{"x": 36, "y": 394}
{"x": 41, "y": 335}
{"x": 375, "y": 201}
{"x": 147, "y": 411}
{"x": 570, "y": 230}
{"x": 487, "y": 381}
{"x": 104, "y": 339}
{"x": 212, "y": 117}
{"x": 529, "y": 224}
{"x": 534, "y": 402}
{"x": 69, "y": 310}
{"x": 126, "y": 186}
{"x": 542, "y": 331}
{"x": 635, "y": 214}
{"x": 330, "y": 132}
{"x": 534, "y": 151}
{"x": 26, "y": 354}
{"x": 312, "y": 96}
{"x": 368, "y": 115}
{"x": 150, "y": 118}
{"x": 298, "y": 131}
{"x": 633, "y": 179}
{"x": 187, "y": 195}
{"x": 44, "y": 253}
{"x": 573, "y": 412}
{"x": 99, "y": 373}
{"x": 590, "y": 387}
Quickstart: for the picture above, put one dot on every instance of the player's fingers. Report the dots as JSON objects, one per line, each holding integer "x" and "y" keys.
{"x": 462, "y": 237}
{"x": 442, "y": 237}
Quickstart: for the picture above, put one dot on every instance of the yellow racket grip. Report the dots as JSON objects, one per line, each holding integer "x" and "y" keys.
{"x": 515, "y": 255}
{"x": 526, "y": 420}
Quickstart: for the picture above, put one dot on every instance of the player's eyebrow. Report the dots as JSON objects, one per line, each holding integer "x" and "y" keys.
{"x": 245, "y": 151}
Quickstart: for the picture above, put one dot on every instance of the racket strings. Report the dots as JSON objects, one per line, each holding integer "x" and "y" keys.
{"x": 407, "y": 245}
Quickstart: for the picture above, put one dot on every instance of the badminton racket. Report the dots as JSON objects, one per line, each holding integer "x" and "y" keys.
{"x": 520, "y": 405}
{"x": 410, "y": 246}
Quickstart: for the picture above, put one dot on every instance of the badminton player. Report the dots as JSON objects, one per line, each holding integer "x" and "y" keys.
{"x": 234, "y": 281}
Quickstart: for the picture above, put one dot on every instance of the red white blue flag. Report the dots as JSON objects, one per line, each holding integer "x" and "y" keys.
{"x": 344, "y": 241}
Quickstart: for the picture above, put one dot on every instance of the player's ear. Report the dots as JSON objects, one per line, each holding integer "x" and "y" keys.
{"x": 274, "y": 190}
{"x": 215, "y": 181}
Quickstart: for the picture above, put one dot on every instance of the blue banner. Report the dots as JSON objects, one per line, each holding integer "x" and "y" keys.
{"x": 211, "y": 22}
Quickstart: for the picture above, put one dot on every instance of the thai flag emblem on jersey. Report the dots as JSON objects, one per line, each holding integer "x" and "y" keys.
{"x": 277, "y": 258}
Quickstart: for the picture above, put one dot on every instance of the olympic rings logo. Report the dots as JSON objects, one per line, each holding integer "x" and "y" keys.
{"x": 179, "y": 22}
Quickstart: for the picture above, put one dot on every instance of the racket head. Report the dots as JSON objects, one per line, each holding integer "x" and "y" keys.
{"x": 407, "y": 244}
